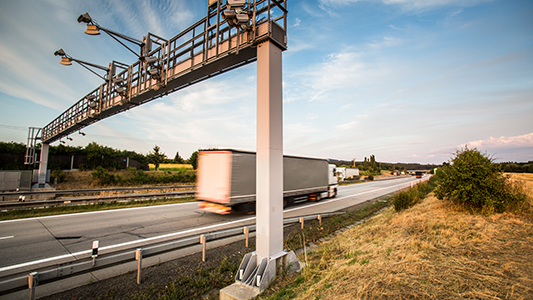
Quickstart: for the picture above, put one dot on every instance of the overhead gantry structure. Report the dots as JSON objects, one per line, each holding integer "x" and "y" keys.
{"x": 225, "y": 39}
{"x": 233, "y": 33}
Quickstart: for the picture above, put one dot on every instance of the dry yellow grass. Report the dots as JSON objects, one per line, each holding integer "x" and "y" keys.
{"x": 431, "y": 251}
{"x": 170, "y": 166}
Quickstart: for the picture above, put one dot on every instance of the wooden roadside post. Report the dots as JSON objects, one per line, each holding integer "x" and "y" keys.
{"x": 247, "y": 234}
{"x": 202, "y": 241}
{"x": 139, "y": 258}
{"x": 32, "y": 283}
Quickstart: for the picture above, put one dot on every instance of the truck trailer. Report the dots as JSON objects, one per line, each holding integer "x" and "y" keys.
{"x": 226, "y": 180}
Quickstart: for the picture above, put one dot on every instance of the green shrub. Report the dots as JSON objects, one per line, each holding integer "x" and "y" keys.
{"x": 407, "y": 198}
{"x": 103, "y": 177}
{"x": 59, "y": 174}
{"x": 473, "y": 180}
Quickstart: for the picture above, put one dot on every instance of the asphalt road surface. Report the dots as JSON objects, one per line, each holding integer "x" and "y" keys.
{"x": 28, "y": 243}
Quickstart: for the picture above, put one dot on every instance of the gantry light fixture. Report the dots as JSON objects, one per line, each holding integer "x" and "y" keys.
{"x": 93, "y": 28}
{"x": 154, "y": 70}
{"x": 67, "y": 60}
{"x": 237, "y": 15}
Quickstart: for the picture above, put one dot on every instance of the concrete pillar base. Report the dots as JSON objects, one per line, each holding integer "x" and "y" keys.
{"x": 42, "y": 186}
{"x": 238, "y": 291}
{"x": 252, "y": 279}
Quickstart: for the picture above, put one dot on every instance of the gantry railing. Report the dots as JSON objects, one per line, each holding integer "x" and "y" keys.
{"x": 206, "y": 49}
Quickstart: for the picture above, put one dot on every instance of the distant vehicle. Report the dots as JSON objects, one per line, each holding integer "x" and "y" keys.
{"x": 226, "y": 180}
{"x": 343, "y": 173}
{"x": 418, "y": 174}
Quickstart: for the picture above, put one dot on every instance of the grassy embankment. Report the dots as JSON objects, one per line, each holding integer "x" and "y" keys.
{"x": 85, "y": 179}
{"x": 433, "y": 250}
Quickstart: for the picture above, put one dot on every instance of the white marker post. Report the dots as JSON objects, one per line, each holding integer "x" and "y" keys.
{"x": 94, "y": 254}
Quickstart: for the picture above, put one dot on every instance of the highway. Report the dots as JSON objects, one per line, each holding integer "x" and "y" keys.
{"x": 28, "y": 243}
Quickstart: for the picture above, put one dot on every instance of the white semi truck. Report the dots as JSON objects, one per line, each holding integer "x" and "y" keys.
{"x": 226, "y": 180}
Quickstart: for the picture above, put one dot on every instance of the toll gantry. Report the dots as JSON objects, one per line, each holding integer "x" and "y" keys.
{"x": 225, "y": 39}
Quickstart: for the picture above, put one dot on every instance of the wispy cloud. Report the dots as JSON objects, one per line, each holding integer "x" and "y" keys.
{"x": 385, "y": 42}
{"x": 405, "y": 5}
{"x": 521, "y": 141}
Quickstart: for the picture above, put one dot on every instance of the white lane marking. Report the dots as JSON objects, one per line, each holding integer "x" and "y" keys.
{"x": 100, "y": 211}
{"x": 182, "y": 232}
{"x": 7, "y": 237}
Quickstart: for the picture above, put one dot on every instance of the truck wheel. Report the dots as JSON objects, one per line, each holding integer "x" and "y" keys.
{"x": 247, "y": 208}
{"x": 288, "y": 201}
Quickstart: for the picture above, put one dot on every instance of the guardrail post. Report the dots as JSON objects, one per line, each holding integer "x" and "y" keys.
{"x": 202, "y": 241}
{"x": 320, "y": 219}
{"x": 139, "y": 259}
{"x": 32, "y": 284}
{"x": 301, "y": 220}
{"x": 247, "y": 233}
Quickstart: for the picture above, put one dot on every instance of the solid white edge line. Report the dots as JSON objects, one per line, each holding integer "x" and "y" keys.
{"x": 7, "y": 237}
{"x": 182, "y": 232}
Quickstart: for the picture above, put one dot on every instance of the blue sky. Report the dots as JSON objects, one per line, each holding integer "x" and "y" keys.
{"x": 405, "y": 80}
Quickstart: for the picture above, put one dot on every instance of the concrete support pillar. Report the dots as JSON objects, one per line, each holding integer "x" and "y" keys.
{"x": 43, "y": 165}
{"x": 269, "y": 204}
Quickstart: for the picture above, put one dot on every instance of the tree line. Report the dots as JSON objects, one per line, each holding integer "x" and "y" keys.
{"x": 371, "y": 166}
{"x": 12, "y": 156}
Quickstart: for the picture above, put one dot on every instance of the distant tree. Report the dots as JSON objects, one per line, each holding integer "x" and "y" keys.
{"x": 193, "y": 160}
{"x": 65, "y": 150}
{"x": 12, "y": 147}
{"x": 178, "y": 159}
{"x": 155, "y": 157}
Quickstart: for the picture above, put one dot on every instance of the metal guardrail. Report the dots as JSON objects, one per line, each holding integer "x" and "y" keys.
{"x": 84, "y": 191}
{"x": 48, "y": 275}
{"x": 91, "y": 199}
{"x": 22, "y": 204}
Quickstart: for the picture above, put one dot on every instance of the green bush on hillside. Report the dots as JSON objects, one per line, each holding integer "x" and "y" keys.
{"x": 473, "y": 180}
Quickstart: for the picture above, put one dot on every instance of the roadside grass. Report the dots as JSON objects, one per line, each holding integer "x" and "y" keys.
{"x": 203, "y": 284}
{"x": 61, "y": 210}
{"x": 433, "y": 250}
{"x": 313, "y": 231}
